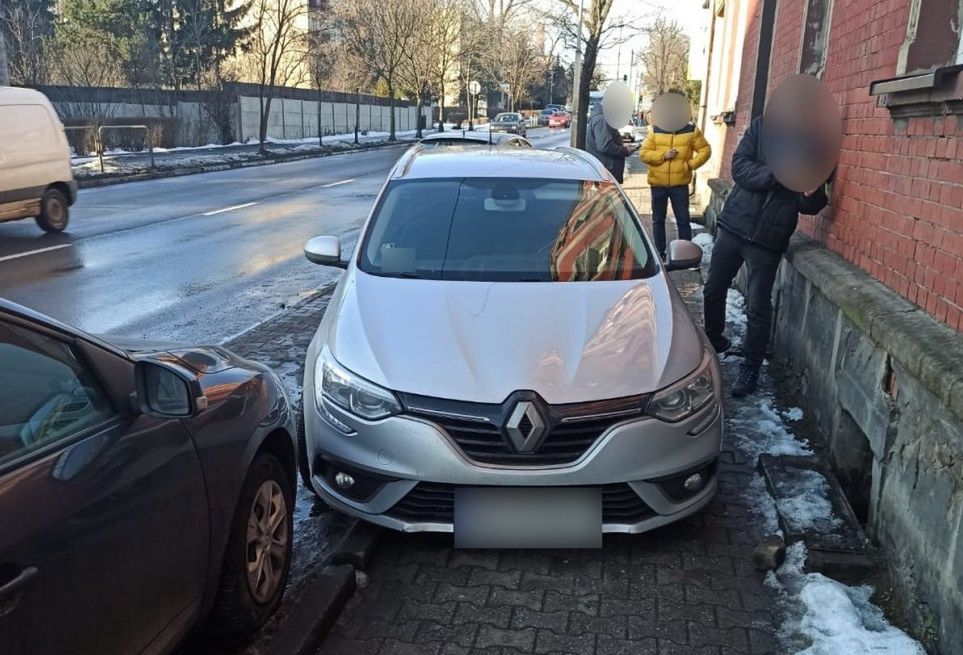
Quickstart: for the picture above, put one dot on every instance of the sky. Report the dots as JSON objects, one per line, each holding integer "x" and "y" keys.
{"x": 688, "y": 13}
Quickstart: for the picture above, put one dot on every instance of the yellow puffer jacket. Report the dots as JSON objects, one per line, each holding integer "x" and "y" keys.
{"x": 693, "y": 152}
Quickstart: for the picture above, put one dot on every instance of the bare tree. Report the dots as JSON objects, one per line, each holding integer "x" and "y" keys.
{"x": 446, "y": 41}
{"x": 521, "y": 65}
{"x": 27, "y": 26}
{"x": 276, "y": 52}
{"x": 379, "y": 33}
{"x": 665, "y": 58}
{"x": 419, "y": 65}
{"x": 596, "y": 33}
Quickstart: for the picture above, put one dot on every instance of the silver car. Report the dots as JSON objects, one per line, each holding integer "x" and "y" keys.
{"x": 505, "y": 358}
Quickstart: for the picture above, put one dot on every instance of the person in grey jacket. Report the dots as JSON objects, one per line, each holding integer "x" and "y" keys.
{"x": 605, "y": 143}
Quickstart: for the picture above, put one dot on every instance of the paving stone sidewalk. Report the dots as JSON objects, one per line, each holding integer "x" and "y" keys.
{"x": 685, "y": 588}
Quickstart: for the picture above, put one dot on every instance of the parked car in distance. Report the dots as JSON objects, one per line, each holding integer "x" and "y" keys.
{"x": 544, "y": 115}
{"x": 145, "y": 486}
{"x": 35, "y": 176}
{"x": 473, "y": 138}
{"x": 506, "y": 358}
{"x": 634, "y": 130}
{"x": 509, "y": 121}
{"x": 560, "y": 119}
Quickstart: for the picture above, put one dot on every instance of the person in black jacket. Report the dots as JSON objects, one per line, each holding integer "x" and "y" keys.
{"x": 605, "y": 143}
{"x": 755, "y": 225}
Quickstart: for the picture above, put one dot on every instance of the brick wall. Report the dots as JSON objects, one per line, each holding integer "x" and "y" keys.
{"x": 897, "y": 205}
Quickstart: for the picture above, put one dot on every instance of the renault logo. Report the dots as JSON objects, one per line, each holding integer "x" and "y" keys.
{"x": 525, "y": 427}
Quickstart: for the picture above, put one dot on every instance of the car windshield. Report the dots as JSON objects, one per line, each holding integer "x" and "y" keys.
{"x": 506, "y": 118}
{"x": 507, "y": 230}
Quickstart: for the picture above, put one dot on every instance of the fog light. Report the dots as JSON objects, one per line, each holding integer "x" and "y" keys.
{"x": 693, "y": 482}
{"x": 343, "y": 480}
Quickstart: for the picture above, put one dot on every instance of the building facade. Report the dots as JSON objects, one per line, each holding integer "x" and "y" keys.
{"x": 869, "y": 297}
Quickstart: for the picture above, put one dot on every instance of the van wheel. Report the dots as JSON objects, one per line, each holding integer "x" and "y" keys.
{"x": 258, "y": 553}
{"x": 54, "y": 211}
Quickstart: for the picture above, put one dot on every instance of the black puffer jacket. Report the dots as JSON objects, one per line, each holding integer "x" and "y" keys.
{"x": 758, "y": 207}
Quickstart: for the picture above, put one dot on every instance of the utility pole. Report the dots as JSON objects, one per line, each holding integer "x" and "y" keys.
{"x": 618, "y": 57}
{"x": 4, "y": 71}
{"x": 577, "y": 78}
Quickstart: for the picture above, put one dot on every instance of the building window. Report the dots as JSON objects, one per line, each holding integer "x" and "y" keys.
{"x": 819, "y": 17}
{"x": 933, "y": 38}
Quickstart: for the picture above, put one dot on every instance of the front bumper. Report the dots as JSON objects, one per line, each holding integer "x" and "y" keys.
{"x": 406, "y": 462}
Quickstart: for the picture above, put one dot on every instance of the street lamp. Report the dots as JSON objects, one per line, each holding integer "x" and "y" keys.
{"x": 357, "y": 113}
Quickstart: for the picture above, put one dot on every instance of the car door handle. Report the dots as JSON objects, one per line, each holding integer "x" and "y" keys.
{"x": 9, "y": 591}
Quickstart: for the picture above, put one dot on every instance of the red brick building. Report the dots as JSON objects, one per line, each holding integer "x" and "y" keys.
{"x": 897, "y": 204}
{"x": 869, "y": 297}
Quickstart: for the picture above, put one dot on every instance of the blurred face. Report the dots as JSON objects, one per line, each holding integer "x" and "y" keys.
{"x": 617, "y": 104}
{"x": 670, "y": 112}
{"x": 802, "y": 132}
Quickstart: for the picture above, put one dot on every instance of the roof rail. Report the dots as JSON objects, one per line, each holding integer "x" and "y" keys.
{"x": 400, "y": 169}
{"x": 585, "y": 157}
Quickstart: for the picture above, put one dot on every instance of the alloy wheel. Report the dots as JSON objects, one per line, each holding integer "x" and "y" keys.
{"x": 267, "y": 540}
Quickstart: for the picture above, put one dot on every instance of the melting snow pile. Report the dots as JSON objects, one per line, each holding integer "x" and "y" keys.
{"x": 824, "y": 617}
{"x": 831, "y": 617}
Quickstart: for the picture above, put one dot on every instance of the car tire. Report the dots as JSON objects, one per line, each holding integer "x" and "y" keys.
{"x": 304, "y": 467}
{"x": 54, "y": 211}
{"x": 239, "y": 609}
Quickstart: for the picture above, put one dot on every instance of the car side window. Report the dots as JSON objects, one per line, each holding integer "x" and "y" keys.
{"x": 48, "y": 393}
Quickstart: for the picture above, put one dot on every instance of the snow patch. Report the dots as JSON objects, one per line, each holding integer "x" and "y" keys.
{"x": 758, "y": 429}
{"x": 705, "y": 241}
{"x": 793, "y": 414}
{"x": 830, "y": 617}
{"x": 805, "y": 505}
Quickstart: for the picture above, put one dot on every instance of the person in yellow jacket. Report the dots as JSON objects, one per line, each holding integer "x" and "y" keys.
{"x": 671, "y": 158}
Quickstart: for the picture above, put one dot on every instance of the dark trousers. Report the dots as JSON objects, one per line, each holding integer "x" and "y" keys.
{"x": 661, "y": 196}
{"x": 728, "y": 254}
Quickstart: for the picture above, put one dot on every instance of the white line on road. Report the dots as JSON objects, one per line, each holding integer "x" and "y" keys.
{"x": 229, "y": 209}
{"x": 327, "y": 186}
{"x": 35, "y": 252}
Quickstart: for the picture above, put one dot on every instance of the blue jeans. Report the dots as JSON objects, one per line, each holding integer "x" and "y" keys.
{"x": 661, "y": 196}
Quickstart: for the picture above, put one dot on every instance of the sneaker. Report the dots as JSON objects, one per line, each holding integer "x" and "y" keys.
{"x": 720, "y": 343}
{"x": 747, "y": 382}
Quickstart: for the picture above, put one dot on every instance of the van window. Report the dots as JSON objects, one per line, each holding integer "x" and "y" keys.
{"x": 27, "y": 128}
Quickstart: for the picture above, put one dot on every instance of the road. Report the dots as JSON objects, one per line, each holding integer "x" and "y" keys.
{"x": 197, "y": 258}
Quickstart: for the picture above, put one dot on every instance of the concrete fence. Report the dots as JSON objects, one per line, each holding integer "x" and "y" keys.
{"x": 233, "y": 113}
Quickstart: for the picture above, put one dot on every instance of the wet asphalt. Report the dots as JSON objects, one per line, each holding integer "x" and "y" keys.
{"x": 197, "y": 258}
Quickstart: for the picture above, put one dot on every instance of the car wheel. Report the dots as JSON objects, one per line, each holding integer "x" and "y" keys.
{"x": 258, "y": 553}
{"x": 304, "y": 467}
{"x": 54, "y": 211}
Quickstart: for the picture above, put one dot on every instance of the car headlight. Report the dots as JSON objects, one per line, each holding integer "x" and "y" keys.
{"x": 686, "y": 397}
{"x": 336, "y": 384}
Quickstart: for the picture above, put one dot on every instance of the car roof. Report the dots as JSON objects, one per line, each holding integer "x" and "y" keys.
{"x": 562, "y": 163}
{"x": 14, "y": 94}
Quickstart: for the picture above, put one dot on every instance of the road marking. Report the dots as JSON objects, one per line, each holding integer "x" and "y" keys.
{"x": 328, "y": 186}
{"x": 228, "y": 209}
{"x": 35, "y": 252}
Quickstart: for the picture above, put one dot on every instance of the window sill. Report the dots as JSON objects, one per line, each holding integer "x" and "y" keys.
{"x": 936, "y": 93}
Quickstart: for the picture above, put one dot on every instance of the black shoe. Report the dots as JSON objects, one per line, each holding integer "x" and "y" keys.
{"x": 747, "y": 382}
{"x": 720, "y": 343}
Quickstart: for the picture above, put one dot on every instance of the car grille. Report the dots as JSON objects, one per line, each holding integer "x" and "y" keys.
{"x": 483, "y": 442}
{"x": 434, "y": 502}
{"x": 571, "y": 429}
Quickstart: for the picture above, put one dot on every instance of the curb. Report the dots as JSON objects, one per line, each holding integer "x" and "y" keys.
{"x": 109, "y": 179}
{"x": 304, "y": 630}
{"x": 315, "y": 614}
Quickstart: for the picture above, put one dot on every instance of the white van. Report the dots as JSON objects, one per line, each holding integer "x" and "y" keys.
{"x": 35, "y": 176}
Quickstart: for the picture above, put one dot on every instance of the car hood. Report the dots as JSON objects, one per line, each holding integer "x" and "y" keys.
{"x": 481, "y": 341}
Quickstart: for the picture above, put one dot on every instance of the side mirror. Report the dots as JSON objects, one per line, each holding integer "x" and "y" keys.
{"x": 167, "y": 390}
{"x": 683, "y": 254}
{"x": 325, "y": 251}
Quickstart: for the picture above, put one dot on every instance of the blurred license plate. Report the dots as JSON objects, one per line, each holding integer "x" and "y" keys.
{"x": 528, "y": 517}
